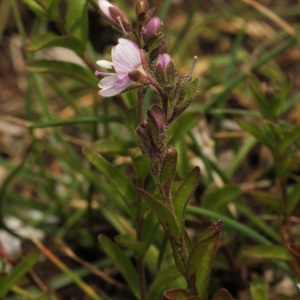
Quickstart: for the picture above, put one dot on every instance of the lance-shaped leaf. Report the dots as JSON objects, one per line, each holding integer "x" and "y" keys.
{"x": 262, "y": 101}
{"x": 49, "y": 40}
{"x": 202, "y": 256}
{"x": 17, "y": 273}
{"x": 62, "y": 68}
{"x": 222, "y": 294}
{"x": 128, "y": 241}
{"x": 179, "y": 294}
{"x": 168, "y": 169}
{"x": 183, "y": 195}
{"x": 218, "y": 197}
{"x": 164, "y": 214}
{"x": 162, "y": 278}
{"x": 77, "y": 19}
{"x": 123, "y": 264}
{"x": 122, "y": 184}
{"x": 36, "y": 8}
{"x": 275, "y": 252}
{"x": 259, "y": 289}
{"x": 289, "y": 139}
{"x": 140, "y": 163}
{"x": 257, "y": 132}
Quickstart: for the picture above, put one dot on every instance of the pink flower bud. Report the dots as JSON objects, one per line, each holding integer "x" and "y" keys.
{"x": 164, "y": 60}
{"x": 165, "y": 71}
{"x": 152, "y": 27}
{"x": 114, "y": 14}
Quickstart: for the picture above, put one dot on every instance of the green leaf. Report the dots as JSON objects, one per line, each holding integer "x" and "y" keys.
{"x": 17, "y": 273}
{"x": 289, "y": 139}
{"x": 268, "y": 252}
{"x": 259, "y": 289}
{"x": 222, "y": 294}
{"x": 183, "y": 125}
{"x": 128, "y": 241}
{"x": 201, "y": 258}
{"x": 176, "y": 294}
{"x": 183, "y": 195}
{"x": 215, "y": 197}
{"x": 164, "y": 214}
{"x": 256, "y": 131}
{"x": 112, "y": 146}
{"x": 53, "y": 9}
{"x": 140, "y": 164}
{"x": 123, "y": 264}
{"x": 294, "y": 198}
{"x": 268, "y": 199}
{"x": 263, "y": 103}
{"x": 122, "y": 184}
{"x": 64, "y": 69}
{"x": 162, "y": 279}
{"x": 36, "y": 8}
{"x": 49, "y": 40}
{"x": 168, "y": 169}
{"x": 77, "y": 19}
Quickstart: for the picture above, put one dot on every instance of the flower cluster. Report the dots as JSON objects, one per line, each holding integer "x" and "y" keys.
{"x": 130, "y": 56}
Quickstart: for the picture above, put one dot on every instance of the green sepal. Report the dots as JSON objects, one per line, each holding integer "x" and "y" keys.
{"x": 183, "y": 195}
{"x": 201, "y": 258}
{"x": 160, "y": 75}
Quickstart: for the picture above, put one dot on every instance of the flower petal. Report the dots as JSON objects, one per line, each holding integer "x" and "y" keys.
{"x": 105, "y": 64}
{"x": 126, "y": 56}
{"x": 104, "y": 7}
{"x": 113, "y": 85}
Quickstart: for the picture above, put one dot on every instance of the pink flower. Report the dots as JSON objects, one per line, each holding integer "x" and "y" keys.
{"x": 114, "y": 14}
{"x": 126, "y": 58}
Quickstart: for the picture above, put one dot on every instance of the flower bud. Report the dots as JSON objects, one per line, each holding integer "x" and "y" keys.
{"x": 165, "y": 70}
{"x": 156, "y": 122}
{"x": 152, "y": 28}
{"x": 138, "y": 77}
{"x": 141, "y": 8}
{"x": 185, "y": 91}
{"x": 114, "y": 14}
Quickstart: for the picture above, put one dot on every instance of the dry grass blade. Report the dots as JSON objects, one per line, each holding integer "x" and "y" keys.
{"x": 272, "y": 16}
{"x": 68, "y": 251}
